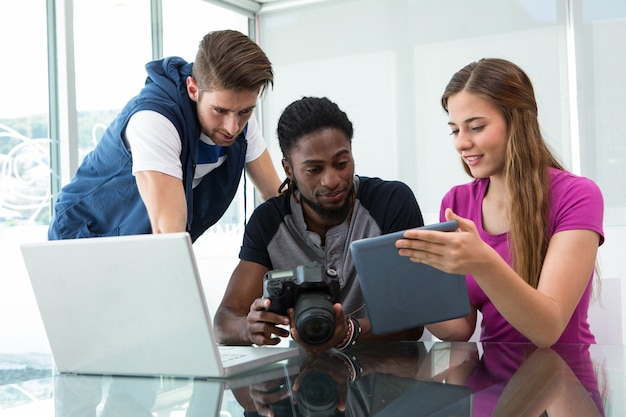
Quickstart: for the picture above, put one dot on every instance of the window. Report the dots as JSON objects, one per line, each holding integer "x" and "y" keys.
{"x": 110, "y": 43}
{"x": 24, "y": 162}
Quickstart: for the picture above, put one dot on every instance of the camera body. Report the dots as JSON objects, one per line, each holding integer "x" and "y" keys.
{"x": 311, "y": 291}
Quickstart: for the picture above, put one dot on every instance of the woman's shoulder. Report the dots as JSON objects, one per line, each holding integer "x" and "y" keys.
{"x": 565, "y": 182}
{"x": 576, "y": 202}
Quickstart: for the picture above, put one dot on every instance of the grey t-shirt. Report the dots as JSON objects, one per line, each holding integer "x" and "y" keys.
{"x": 277, "y": 237}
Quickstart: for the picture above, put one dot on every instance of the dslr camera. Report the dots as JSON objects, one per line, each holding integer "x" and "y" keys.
{"x": 311, "y": 291}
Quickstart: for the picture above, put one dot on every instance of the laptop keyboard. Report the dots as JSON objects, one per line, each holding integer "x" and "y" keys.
{"x": 229, "y": 357}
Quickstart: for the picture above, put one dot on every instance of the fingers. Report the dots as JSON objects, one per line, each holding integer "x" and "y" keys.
{"x": 465, "y": 225}
{"x": 260, "y": 304}
{"x": 433, "y": 241}
{"x": 340, "y": 316}
{"x": 427, "y": 247}
{"x": 450, "y": 215}
{"x": 266, "y": 334}
{"x": 341, "y": 328}
{"x": 423, "y": 257}
{"x": 264, "y": 326}
{"x": 258, "y": 312}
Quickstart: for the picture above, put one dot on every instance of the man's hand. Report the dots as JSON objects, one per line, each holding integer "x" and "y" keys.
{"x": 341, "y": 329}
{"x": 264, "y": 326}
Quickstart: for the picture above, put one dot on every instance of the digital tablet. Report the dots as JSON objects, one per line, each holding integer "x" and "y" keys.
{"x": 400, "y": 294}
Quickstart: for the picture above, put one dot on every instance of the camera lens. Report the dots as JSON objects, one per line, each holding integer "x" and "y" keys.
{"x": 315, "y": 319}
{"x": 318, "y": 395}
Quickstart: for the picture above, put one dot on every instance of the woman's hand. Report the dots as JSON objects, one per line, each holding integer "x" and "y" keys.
{"x": 460, "y": 252}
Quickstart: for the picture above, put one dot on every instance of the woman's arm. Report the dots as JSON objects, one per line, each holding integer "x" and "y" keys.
{"x": 539, "y": 314}
{"x": 455, "y": 330}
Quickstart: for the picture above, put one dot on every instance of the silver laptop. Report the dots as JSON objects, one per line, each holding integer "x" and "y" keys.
{"x": 400, "y": 294}
{"x": 132, "y": 305}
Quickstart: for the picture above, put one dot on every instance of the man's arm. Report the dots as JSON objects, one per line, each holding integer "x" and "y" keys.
{"x": 241, "y": 318}
{"x": 164, "y": 197}
{"x": 264, "y": 176}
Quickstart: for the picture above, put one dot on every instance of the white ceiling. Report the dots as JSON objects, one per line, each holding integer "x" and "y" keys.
{"x": 260, "y": 6}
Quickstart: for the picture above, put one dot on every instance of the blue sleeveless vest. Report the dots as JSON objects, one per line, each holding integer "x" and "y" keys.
{"x": 102, "y": 198}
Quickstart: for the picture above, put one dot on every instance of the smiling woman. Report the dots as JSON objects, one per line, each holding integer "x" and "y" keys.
{"x": 529, "y": 230}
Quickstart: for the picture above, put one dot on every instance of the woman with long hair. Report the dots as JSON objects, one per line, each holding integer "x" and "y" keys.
{"x": 529, "y": 230}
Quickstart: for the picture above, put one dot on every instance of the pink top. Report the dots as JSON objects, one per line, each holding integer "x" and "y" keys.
{"x": 576, "y": 203}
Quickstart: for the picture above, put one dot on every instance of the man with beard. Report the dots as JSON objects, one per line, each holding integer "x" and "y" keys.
{"x": 323, "y": 207}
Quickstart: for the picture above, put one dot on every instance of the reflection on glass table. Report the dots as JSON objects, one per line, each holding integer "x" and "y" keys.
{"x": 444, "y": 379}
{"x": 93, "y": 395}
{"x": 398, "y": 379}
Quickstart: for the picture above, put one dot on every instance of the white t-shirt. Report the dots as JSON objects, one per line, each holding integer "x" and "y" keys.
{"x": 156, "y": 146}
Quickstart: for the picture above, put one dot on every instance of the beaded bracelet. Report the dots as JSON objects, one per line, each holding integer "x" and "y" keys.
{"x": 352, "y": 335}
{"x": 346, "y": 340}
{"x": 357, "y": 331}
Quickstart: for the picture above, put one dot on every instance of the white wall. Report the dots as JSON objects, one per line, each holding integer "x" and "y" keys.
{"x": 386, "y": 63}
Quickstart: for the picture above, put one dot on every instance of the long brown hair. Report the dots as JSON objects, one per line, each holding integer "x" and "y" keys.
{"x": 527, "y": 157}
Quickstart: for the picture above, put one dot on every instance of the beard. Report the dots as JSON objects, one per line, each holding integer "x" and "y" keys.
{"x": 331, "y": 215}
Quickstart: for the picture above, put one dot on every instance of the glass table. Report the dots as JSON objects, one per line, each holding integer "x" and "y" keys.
{"x": 398, "y": 379}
